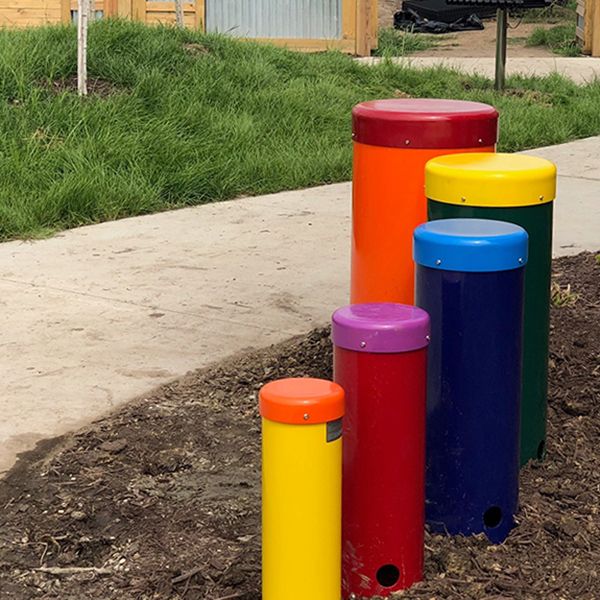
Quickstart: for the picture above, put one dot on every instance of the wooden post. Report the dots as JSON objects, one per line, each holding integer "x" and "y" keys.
{"x": 138, "y": 10}
{"x": 110, "y": 8}
{"x": 179, "y": 13}
{"x": 595, "y": 24}
{"x": 501, "y": 43}
{"x": 83, "y": 7}
{"x": 65, "y": 11}
{"x": 349, "y": 21}
{"x": 123, "y": 9}
{"x": 374, "y": 29}
{"x": 585, "y": 24}
{"x": 363, "y": 27}
{"x": 200, "y": 21}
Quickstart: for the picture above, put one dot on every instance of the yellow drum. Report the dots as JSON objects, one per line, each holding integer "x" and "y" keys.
{"x": 301, "y": 489}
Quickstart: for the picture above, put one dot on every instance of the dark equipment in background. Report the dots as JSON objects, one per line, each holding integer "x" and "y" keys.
{"x": 450, "y": 11}
{"x": 506, "y": 3}
{"x": 443, "y": 11}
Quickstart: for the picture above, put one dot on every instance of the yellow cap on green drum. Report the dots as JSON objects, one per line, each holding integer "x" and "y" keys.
{"x": 489, "y": 179}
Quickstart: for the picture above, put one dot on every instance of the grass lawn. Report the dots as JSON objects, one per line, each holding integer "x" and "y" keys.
{"x": 559, "y": 11}
{"x": 392, "y": 42}
{"x": 182, "y": 118}
{"x": 560, "y": 39}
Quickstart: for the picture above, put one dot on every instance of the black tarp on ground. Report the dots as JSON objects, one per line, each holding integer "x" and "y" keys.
{"x": 409, "y": 20}
{"x": 440, "y": 10}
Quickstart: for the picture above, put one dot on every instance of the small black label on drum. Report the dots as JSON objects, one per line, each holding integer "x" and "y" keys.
{"x": 334, "y": 430}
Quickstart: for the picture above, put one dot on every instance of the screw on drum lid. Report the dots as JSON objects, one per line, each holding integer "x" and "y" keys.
{"x": 384, "y": 327}
{"x": 490, "y": 179}
{"x": 425, "y": 123}
{"x": 470, "y": 245}
{"x": 301, "y": 401}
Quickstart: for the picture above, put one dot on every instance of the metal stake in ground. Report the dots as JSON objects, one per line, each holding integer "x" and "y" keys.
{"x": 179, "y": 13}
{"x": 501, "y": 42}
{"x": 502, "y": 27}
{"x": 83, "y": 10}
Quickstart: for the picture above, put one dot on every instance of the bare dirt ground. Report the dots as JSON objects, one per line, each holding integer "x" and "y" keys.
{"x": 161, "y": 500}
{"x": 473, "y": 44}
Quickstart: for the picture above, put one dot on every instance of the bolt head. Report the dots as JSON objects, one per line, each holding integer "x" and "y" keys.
{"x": 407, "y": 142}
{"x": 463, "y": 199}
{"x": 438, "y": 262}
{"x": 363, "y": 344}
{"x": 306, "y": 416}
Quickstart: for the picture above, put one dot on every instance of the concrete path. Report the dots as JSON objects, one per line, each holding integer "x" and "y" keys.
{"x": 577, "y": 208}
{"x": 581, "y": 69}
{"x": 96, "y": 316}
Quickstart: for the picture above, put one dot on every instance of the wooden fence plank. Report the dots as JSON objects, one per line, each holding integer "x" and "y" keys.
{"x": 138, "y": 10}
{"x": 593, "y": 26}
{"x": 169, "y": 18}
{"x": 348, "y": 19}
{"x": 307, "y": 45}
{"x": 124, "y": 9}
{"x": 585, "y": 13}
{"x": 363, "y": 17}
{"x": 200, "y": 15}
{"x": 168, "y": 7}
{"x": 358, "y": 19}
{"x": 374, "y": 23}
{"x": 27, "y": 17}
{"x": 65, "y": 11}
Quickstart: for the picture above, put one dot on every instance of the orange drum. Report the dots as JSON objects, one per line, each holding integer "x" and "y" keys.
{"x": 393, "y": 140}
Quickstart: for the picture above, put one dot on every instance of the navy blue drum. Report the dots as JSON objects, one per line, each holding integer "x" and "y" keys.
{"x": 469, "y": 278}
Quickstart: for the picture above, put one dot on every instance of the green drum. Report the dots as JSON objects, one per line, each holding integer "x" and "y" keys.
{"x": 519, "y": 189}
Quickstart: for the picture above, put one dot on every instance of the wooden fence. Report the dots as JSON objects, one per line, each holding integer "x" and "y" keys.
{"x": 588, "y": 26}
{"x": 358, "y": 19}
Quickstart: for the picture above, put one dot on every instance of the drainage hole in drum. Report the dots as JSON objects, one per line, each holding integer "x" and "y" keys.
{"x": 492, "y": 517}
{"x": 541, "y": 451}
{"x": 388, "y": 575}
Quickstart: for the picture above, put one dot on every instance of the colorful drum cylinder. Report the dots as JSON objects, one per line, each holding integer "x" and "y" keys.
{"x": 469, "y": 278}
{"x": 301, "y": 489}
{"x": 519, "y": 189}
{"x": 393, "y": 140}
{"x": 380, "y": 359}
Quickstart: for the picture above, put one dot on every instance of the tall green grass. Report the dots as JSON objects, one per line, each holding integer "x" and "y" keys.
{"x": 560, "y": 39}
{"x": 197, "y": 119}
{"x": 558, "y": 11}
{"x": 392, "y": 42}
